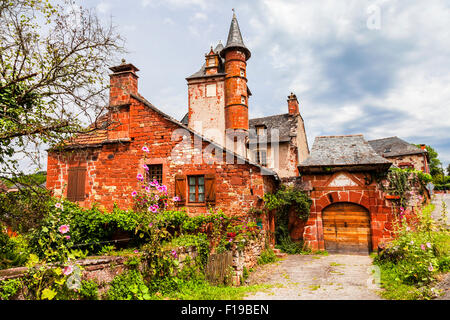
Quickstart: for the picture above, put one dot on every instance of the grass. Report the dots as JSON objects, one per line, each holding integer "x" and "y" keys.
{"x": 335, "y": 264}
{"x": 202, "y": 290}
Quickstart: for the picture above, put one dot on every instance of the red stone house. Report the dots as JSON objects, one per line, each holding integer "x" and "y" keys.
{"x": 101, "y": 167}
{"x": 401, "y": 153}
{"x": 349, "y": 211}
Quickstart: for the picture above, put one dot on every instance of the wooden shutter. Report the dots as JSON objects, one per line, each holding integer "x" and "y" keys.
{"x": 180, "y": 188}
{"x": 76, "y": 184}
{"x": 81, "y": 179}
{"x": 72, "y": 184}
{"x": 210, "y": 188}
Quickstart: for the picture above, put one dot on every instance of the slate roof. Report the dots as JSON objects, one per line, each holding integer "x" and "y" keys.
{"x": 235, "y": 38}
{"x": 348, "y": 151}
{"x": 394, "y": 146}
{"x": 202, "y": 72}
{"x": 285, "y": 123}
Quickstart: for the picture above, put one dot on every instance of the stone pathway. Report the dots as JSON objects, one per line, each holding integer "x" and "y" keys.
{"x": 317, "y": 277}
{"x": 437, "y": 200}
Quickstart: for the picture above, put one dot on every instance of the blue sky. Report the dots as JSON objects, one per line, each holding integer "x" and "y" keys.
{"x": 376, "y": 67}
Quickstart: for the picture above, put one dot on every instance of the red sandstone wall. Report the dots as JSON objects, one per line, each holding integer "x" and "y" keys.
{"x": 112, "y": 168}
{"x": 368, "y": 196}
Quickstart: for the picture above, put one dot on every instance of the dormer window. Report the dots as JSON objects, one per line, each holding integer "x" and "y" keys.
{"x": 260, "y": 130}
{"x": 211, "y": 62}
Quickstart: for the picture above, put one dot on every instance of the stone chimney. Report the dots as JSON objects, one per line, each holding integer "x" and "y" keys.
{"x": 123, "y": 82}
{"x": 293, "y": 104}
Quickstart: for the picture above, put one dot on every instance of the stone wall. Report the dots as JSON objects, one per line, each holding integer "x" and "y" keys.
{"x": 247, "y": 257}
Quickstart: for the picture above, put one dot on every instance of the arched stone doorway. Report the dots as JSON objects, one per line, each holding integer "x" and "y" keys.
{"x": 346, "y": 228}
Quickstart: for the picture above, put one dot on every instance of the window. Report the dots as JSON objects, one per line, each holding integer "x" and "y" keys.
{"x": 76, "y": 184}
{"x": 242, "y": 73}
{"x": 261, "y": 157}
{"x": 196, "y": 188}
{"x": 243, "y": 99}
{"x": 211, "y": 62}
{"x": 211, "y": 90}
{"x": 260, "y": 130}
{"x": 155, "y": 172}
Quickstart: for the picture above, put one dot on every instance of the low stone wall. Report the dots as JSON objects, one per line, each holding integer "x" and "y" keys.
{"x": 247, "y": 257}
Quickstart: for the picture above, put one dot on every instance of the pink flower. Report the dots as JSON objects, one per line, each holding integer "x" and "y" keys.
{"x": 161, "y": 188}
{"x": 64, "y": 228}
{"x": 429, "y": 245}
{"x": 153, "y": 208}
{"x": 156, "y": 197}
{"x": 430, "y": 268}
{"x": 176, "y": 199}
{"x": 174, "y": 253}
{"x": 231, "y": 240}
{"x": 140, "y": 177}
{"x": 136, "y": 251}
{"x": 422, "y": 246}
{"x": 145, "y": 149}
{"x": 58, "y": 205}
{"x": 154, "y": 183}
{"x": 147, "y": 189}
{"x": 145, "y": 167}
{"x": 134, "y": 194}
{"x": 67, "y": 237}
{"x": 150, "y": 224}
{"x": 67, "y": 270}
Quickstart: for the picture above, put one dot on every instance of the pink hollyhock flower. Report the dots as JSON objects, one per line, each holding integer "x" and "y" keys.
{"x": 67, "y": 270}
{"x": 231, "y": 240}
{"x": 153, "y": 209}
{"x": 422, "y": 246}
{"x": 174, "y": 253}
{"x": 176, "y": 199}
{"x": 58, "y": 205}
{"x": 145, "y": 167}
{"x": 429, "y": 245}
{"x": 412, "y": 242}
{"x": 134, "y": 194}
{"x": 140, "y": 177}
{"x": 150, "y": 224}
{"x": 136, "y": 251}
{"x": 430, "y": 268}
{"x": 145, "y": 149}
{"x": 64, "y": 228}
{"x": 147, "y": 189}
{"x": 67, "y": 237}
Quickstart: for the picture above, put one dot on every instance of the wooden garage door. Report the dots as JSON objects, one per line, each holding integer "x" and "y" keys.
{"x": 346, "y": 228}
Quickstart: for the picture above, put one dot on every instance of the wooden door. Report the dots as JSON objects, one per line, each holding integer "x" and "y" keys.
{"x": 346, "y": 228}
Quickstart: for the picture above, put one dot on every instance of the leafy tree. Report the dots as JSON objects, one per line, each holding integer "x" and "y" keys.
{"x": 435, "y": 164}
{"x": 53, "y": 71}
{"x": 448, "y": 170}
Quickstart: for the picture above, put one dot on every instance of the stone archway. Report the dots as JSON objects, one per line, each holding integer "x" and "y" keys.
{"x": 346, "y": 228}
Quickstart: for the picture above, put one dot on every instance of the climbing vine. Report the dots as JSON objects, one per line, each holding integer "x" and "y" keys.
{"x": 282, "y": 201}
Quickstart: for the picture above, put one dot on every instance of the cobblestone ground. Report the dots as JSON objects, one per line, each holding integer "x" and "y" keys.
{"x": 317, "y": 277}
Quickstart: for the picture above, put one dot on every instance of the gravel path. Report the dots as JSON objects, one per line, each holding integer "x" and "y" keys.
{"x": 317, "y": 277}
{"x": 437, "y": 201}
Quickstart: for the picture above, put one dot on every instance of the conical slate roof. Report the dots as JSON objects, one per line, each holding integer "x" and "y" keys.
{"x": 235, "y": 39}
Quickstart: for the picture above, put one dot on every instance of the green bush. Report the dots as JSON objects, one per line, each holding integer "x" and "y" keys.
{"x": 9, "y": 288}
{"x": 128, "y": 286}
{"x": 13, "y": 251}
{"x": 267, "y": 256}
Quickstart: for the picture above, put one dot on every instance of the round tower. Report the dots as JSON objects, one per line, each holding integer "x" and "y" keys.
{"x": 236, "y": 54}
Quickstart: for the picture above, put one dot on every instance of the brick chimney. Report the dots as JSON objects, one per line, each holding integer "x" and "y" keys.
{"x": 293, "y": 104}
{"x": 123, "y": 82}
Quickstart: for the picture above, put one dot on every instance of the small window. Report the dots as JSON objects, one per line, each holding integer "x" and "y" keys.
{"x": 242, "y": 73}
{"x": 243, "y": 99}
{"x": 261, "y": 157}
{"x": 211, "y": 62}
{"x": 260, "y": 130}
{"x": 196, "y": 188}
{"x": 211, "y": 90}
{"x": 155, "y": 172}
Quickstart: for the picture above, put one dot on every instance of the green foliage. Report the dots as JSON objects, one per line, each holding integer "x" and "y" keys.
{"x": 402, "y": 181}
{"x": 282, "y": 201}
{"x": 267, "y": 256}
{"x": 9, "y": 288}
{"x": 434, "y": 163}
{"x": 13, "y": 251}
{"x": 410, "y": 263}
{"x": 89, "y": 290}
{"x": 285, "y": 244}
{"x": 128, "y": 286}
